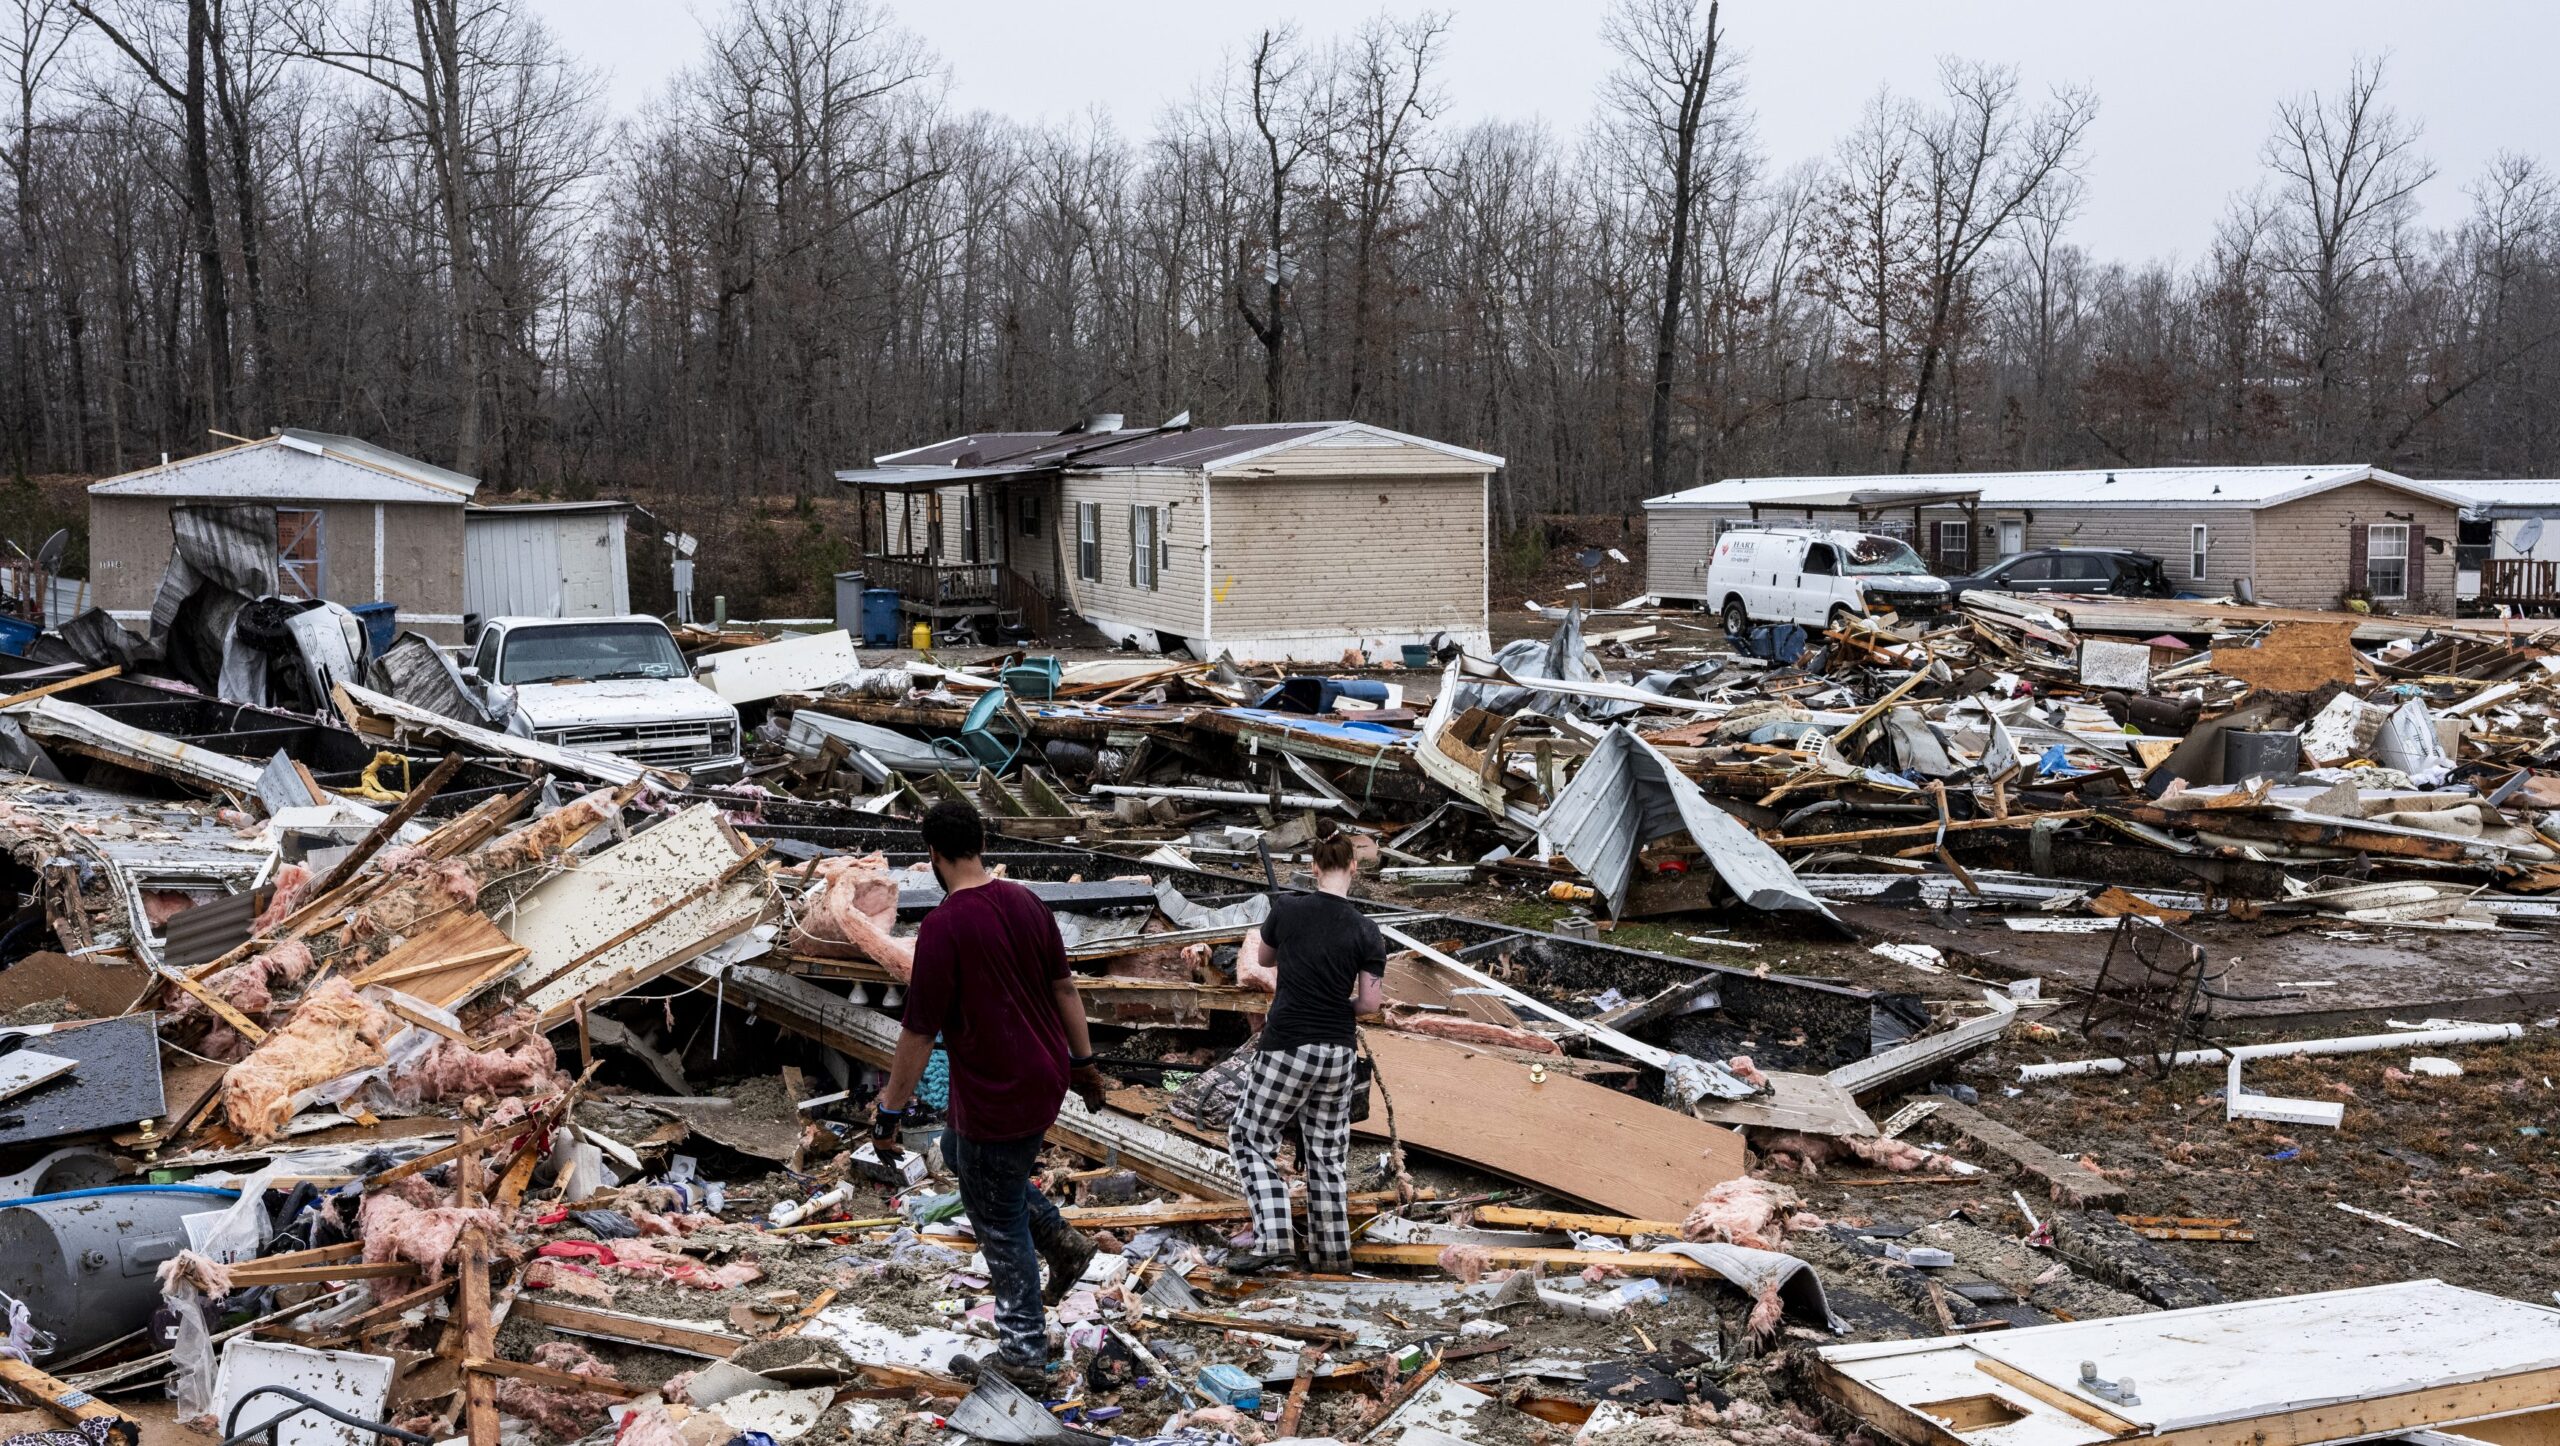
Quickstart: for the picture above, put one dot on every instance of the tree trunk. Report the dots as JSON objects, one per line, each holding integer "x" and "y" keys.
{"x": 1684, "y": 200}
{"x": 246, "y": 202}
{"x": 214, "y": 286}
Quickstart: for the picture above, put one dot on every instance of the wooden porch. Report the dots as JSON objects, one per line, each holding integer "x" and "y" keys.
{"x": 2527, "y": 584}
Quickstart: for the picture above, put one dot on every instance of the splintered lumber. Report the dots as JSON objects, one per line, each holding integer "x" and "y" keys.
{"x": 389, "y": 828}
{"x": 1299, "y": 1384}
{"x": 257, "y": 1272}
{"x": 67, "y": 1401}
{"x": 446, "y": 962}
{"x": 1513, "y": 1217}
{"x": 483, "y": 1366}
{"x": 479, "y": 1330}
{"x": 1919, "y": 830}
{"x": 1203, "y": 1212}
{"x": 1291, "y": 1330}
{"x": 1158, "y": 1156}
{"x": 689, "y": 1338}
{"x": 59, "y": 685}
{"x": 1915, "y": 1060}
{"x": 1576, "y": 1139}
{"x": 2069, "y": 1183}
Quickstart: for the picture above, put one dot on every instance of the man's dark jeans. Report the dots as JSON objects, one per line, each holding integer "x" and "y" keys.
{"x": 1013, "y": 1221}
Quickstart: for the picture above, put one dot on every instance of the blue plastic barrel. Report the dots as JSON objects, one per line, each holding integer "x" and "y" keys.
{"x": 880, "y": 617}
{"x": 381, "y": 624}
{"x": 16, "y": 633}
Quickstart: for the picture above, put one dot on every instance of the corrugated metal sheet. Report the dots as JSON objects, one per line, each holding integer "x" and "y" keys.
{"x": 1626, "y": 794}
{"x": 2245, "y": 487}
{"x": 544, "y": 564}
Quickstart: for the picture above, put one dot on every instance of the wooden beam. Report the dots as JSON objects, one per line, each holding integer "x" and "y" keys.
{"x": 246, "y": 1027}
{"x": 257, "y": 1273}
{"x": 1515, "y": 1218}
{"x": 1644, "y": 1262}
{"x": 485, "y": 1366}
{"x": 479, "y": 1331}
{"x": 2071, "y": 1185}
{"x": 1918, "y": 830}
{"x": 1202, "y": 1212}
{"x": 59, "y": 685}
{"x": 391, "y": 824}
{"x": 2084, "y": 1412}
{"x": 705, "y": 1340}
{"x": 67, "y": 1401}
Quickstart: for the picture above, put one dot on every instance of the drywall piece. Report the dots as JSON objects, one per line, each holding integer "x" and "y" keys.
{"x": 2238, "y": 1105}
{"x": 23, "y": 1070}
{"x": 1807, "y": 1102}
{"x": 868, "y": 1342}
{"x": 2337, "y": 1365}
{"x": 2435, "y": 1067}
{"x": 792, "y": 665}
{"x": 350, "y": 1381}
{"x": 1581, "y": 1140}
{"x": 634, "y": 910}
{"x": 2115, "y": 665}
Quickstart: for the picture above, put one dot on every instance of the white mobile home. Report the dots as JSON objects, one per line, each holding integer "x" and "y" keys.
{"x": 2292, "y": 536}
{"x": 1272, "y": 541}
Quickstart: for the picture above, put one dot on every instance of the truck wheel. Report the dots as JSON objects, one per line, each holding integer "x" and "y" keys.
{"x": 1840, "y": 616}
{"x": 1737, "y": 618}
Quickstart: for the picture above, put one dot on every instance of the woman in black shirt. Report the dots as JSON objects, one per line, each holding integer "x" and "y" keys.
{"x": 1329, "y": 966}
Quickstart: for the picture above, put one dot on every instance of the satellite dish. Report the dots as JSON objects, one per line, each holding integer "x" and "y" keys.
{"x": 2527, "y": 535}
{"x": 49, "y": 556}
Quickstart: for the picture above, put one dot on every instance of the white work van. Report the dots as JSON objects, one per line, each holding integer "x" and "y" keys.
{"x": 1818, "y": 577}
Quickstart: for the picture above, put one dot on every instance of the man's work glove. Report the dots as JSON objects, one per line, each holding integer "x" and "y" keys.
{"x": 885, "y": 1123}
{"x": 1087, "y": 1080}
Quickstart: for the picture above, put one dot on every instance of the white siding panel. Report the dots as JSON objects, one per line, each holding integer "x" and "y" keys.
{"x": 1369, "y": 557}
{"x": 551, "y": 565}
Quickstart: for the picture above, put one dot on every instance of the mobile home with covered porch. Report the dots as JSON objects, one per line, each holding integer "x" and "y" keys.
{"x": 1268, "y": 541}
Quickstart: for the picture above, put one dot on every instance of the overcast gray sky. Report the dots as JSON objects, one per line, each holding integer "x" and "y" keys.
{"x": 2186, "y": 86}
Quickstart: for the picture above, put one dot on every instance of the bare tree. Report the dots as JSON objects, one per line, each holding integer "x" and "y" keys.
{"x": 1291, "y": 111}
{"x": 1667, "y": 87}
{"x": 1984, "y": 162}
{"x": 2347, "y": 173}
{"x": 1390, "y": 97}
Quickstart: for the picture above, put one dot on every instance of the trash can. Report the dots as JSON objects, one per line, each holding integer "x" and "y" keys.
{"x": 381, "y": 624}
{"x": 849, "y": 602}
{"x": 880, "y": 617}
{"x": 16, "y": 633}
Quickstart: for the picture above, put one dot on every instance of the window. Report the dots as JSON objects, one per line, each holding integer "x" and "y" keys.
{"x": 593, "y": 652}
{"x": 1952, "y": 540}
{"x": 1898, "y": 528}
{"x": 2029, "y": 569}
{"x": 484, "y": 659}
{"x": 1030, "y": 514}
{"x": 2083, "y": 567}
{"x": 299, "y": 556}
{"x": 969, "y": 528}
{"x": 1089, "y": 541}
{"x": 1818, "y": 561}
{"x": 2386, "y": 559}
{"x": 1145, "y": 536}
{"x": 2197, "y": 542}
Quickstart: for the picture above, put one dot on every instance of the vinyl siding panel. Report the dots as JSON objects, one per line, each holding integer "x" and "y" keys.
{"x": 1354, "y": 455}
{"x": 1175, "y": 604}
{"x": 567, "y": 564}
{"x": 1370, "y": 556}
{"x": 2303, "y": 557}
{"x": 1677, "y": 545}
{"x": 422, "y": 567}
{"x": 2162, "y": 532}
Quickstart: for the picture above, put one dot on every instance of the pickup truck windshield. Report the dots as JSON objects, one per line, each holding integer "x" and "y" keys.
{"x": 591, "y": 651}
{"x": 1875, "y": 555}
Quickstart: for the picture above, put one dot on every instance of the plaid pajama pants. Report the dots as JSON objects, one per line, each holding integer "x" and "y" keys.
{"x": 1308, "y": 1087}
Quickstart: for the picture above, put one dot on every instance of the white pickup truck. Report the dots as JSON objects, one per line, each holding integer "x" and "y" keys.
{"x": 615, "y": 685}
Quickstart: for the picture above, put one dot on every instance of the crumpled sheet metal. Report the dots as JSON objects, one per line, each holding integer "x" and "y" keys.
{"x": 1627, "y": 794}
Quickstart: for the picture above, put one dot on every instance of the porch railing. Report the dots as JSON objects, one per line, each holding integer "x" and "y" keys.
{"x": 925, "y": 582}
{"x": 2519, "y": 580}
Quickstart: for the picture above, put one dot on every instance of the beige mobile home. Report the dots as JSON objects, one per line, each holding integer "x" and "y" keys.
{"x": 1278, "y": 541}
{"x": 2291, "y": 536}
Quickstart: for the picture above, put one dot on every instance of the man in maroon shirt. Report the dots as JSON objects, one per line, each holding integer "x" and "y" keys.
{"x": 991, "y": 979}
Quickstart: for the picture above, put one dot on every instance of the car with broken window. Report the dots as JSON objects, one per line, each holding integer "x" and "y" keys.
{"x": 616, "y": 685}
{"x": 2102, "y": 571}
{"x": 1819, "y": 577}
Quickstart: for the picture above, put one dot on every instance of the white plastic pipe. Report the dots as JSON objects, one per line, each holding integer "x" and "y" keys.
{"x": 2351, "y": 1044}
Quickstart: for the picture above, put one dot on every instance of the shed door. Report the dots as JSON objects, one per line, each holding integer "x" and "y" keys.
{"x": 586, "y": 567}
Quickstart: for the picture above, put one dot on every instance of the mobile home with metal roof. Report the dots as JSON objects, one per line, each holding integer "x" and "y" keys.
{"x": 2301, "y": 536}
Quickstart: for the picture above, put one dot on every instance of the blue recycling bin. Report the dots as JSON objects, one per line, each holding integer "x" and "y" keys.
{"x": 381, "y": 624}
{"x": 16, "y": 633}
{"x": 880, "y": 617}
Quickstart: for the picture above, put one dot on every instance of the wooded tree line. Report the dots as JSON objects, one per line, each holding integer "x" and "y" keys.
{"x": 414, "y": 221}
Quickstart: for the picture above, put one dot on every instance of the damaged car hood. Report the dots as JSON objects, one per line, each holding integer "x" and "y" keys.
{"x": 616, "y": 700}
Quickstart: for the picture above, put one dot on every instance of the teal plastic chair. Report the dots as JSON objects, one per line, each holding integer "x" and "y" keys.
{"x": 992, "y": 734}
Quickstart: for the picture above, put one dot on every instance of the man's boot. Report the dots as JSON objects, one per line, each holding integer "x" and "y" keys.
{"x": 1067, "y": 1256}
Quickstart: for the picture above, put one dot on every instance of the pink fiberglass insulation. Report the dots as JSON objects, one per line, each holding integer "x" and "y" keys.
{"x": 638, "y": 1257}
{"x": 210, "y": 1278}
{"x": 1747, "y": 1072}
{"x": 568, "y": 1278}
{"x": 292, "y": 881}
{"x": 1467, "y": 1262}
{"x": 159, "y": 906}
{"x": 849, "y": 914}
{"x": 451, "y": 1071}
{"x": 332, "y": 1032}
{"x": 1807, "y": 1154}
{"x": 1742, "y": 1212}
{"x": 556, "y": 1411}
{"x": 249, "y": 986}
{"x": 395, "y": 1229}
{"x": 1470, "y": 1031}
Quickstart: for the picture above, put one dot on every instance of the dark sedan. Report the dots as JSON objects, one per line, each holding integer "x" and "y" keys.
{"x": 2112, "y": 571}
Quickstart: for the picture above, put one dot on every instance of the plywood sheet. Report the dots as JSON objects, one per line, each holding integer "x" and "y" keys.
{"x": 1581, "y": 1140}
{"x": 448, "y": 962}
{"x": 636, "y": 909}
{"x": 2294, "y": 658}
{"x": 1412, "y": 979}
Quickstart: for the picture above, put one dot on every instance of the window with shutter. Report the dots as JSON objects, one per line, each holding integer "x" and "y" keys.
{"x": 2386, "y": 560}
{"x": 1144, "y": 556}
{"x": 1089, "y": 541}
